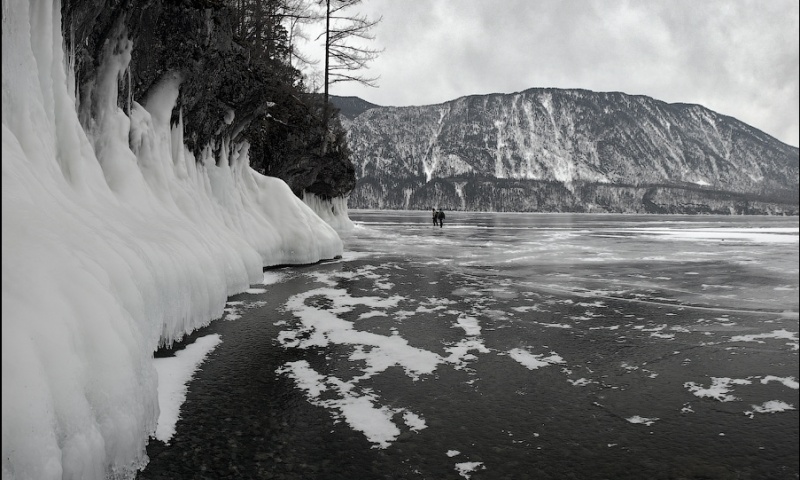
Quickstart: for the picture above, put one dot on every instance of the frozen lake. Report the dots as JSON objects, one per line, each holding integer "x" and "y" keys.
{"x": 542, "y": 346}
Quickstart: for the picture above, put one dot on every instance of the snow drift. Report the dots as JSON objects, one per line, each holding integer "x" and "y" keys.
{"x": 116, "y": 240}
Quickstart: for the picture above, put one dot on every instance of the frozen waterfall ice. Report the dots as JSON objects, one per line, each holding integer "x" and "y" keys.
{"x": 116, "y": 240}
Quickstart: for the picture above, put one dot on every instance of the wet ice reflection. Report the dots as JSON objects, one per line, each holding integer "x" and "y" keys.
{"x": 719, "y": 262}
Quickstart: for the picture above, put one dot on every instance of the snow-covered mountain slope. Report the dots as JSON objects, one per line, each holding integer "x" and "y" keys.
{"x": 568, "y": 150}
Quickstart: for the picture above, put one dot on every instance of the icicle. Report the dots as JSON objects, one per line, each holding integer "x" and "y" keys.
{"x": 130, "y": 89}
{"x": 333, "y": 211}
{"x": 72, "y": 87}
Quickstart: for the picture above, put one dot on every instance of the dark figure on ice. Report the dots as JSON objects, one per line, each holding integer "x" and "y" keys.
{"x": 435, "y": 216}
{"x": 439, "y": 216}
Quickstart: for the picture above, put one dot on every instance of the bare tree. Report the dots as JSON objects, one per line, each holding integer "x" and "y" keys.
{"x": 296, "y": 14}
{"x": 271, "y": 27}
{"x": 344, "y": 59}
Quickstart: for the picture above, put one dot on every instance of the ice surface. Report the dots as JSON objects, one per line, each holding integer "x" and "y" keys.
{"x": 632, "y": 335}
{"x": 116, "y": 239}
{"x": 783, "y": 333}
{"x": 346, "y": 399}
{"x": 761, "y": 235}
{"x": 496, "y": 315}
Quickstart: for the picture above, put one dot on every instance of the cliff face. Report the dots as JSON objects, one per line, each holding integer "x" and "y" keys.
{"x": 191, "y": 39}
{"x": 569, "y": 150}
{"x": 223, "y": 94}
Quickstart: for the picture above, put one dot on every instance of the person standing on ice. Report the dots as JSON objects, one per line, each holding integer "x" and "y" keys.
{"x": 435, "y": 216}
{"x": 440, "y": 216}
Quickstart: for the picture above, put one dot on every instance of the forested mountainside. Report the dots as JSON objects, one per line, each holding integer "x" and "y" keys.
{"x": 557, "y": 150}
{"x": 236, "y": 80}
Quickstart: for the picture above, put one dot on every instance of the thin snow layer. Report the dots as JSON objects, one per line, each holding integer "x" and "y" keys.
{"x": 789, "y": 382}
{"x": 323, "y": 327}
{"x": 779, "y": 334}
{"x": 759, "y": 235}
{"x": 532, "y": 361}
{"x": 116, "y": 239}
{"x": 643, "y": 420}
{"x": 174, "y": 374}
{"x": 357, "y": 407}
{"x": 772, "y": 406}
{"x": 347, "y": 400}
{"x": 465, "y": 468}
{"x": 719, "y": 388}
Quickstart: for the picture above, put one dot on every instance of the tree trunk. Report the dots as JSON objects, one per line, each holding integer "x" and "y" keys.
{"x": 324, "y": 147}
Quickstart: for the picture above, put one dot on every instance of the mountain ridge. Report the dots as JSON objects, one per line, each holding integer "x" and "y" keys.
{"x": 340, "y": 103}
{"x": 576, "y": 138}
{"x": 350, "y": 107}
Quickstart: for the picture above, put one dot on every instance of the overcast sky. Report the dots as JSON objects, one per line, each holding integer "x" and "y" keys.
{"x": 736, "y": 57}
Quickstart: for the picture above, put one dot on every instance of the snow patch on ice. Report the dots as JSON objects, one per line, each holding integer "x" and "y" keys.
{"x": 790, "y": 382}
{"x": 459, "y": 353}
{"x": 174, "y": 374}
{"x": 533, "y": 361}
{"x": 644, "y": 420}
{"x": 777, "y": 334}
{"x": 465, "y": 468}
{"x": 318, "y": 311}
{"x": 771, "y": 406}
{"x": 470, "y": 325}
{"x": 358, "y": 409}
{"x": 719, "y": 388}
{"x": 581, "y": 382}
{"x": 414, "y": 421}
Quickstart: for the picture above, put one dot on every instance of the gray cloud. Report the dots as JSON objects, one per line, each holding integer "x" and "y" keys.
{"x": 736, "y": 57}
